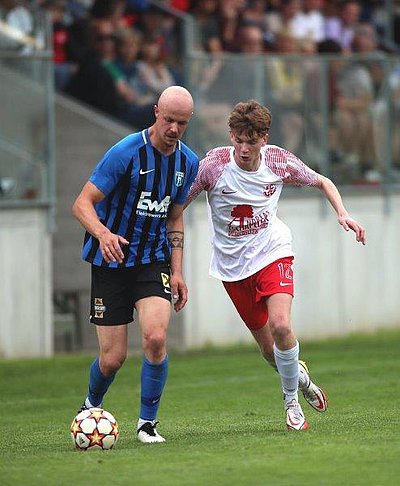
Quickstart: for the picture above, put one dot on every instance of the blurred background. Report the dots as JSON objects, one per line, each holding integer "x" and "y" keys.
{"x": 78, "y": 75}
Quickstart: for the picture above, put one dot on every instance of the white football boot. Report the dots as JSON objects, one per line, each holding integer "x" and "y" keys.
{"x": 295, "y": 419}
{"x": 313, "y": 394}
{"x": 148, "y": 434}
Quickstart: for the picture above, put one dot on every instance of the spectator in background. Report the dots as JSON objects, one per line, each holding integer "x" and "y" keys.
{"x": 242, "y": 78}
{"x": 129, "y": 42}
{"x": 157, "y": 24}
{"x": 231, "y": 81}
{"x": 282, "y": 19}
{"x": 113, "y": 10}
{"x": 249, "y": 38}
{"x": 256, "y": 13}
{"x": 340, "y": 27}
{"x": 376, "y": 13}
{"x": 286, "y": 78}
{"x": 366, "y": 45}
{"x": 79, "y": 41}
{"x": 151, "y": 24}
{"x": 128, "y": 45}
{"x": 206, "y": 39}
{"x": 16, "y": 16}
{"x": 230, "y": 15}
{"x": 320, "y": 92}
{"x": 63, "y": 68}
{"x": 365, "y": 39}
{"x": 99, "y": 83}
{"x": 92, "y": 83}
{"x": 105, "y": 45}
{"x": 20, "y": 22}
{"x": 309, "y": 22}
{"x": 153, "y": 72}
{"x": 206, "y": 27}
{"x": 353, "y": 100}
{"x": 136, "y": 109}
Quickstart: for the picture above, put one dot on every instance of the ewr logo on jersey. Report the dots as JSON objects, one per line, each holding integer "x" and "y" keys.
{"x": 154, "y": 209}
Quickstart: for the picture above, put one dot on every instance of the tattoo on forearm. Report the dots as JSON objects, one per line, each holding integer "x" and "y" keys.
{"x": 176, "y": 239}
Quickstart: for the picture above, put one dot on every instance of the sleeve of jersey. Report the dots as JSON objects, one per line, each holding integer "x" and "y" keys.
{"x": 291, "y": 169}
{"x": 110, "y": 169}
{"x": 210, "y": 170}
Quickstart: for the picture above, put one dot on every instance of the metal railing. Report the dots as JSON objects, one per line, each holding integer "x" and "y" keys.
{"x": 340, "y": 115}
{"x": 356, "y": 146}
{"x": 27, "y": 123}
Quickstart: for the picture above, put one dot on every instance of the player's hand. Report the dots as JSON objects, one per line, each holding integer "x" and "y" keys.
{"x": 350, "y": 223}
{"x": 179, "y": 292}
{"x": 110, "y": 247}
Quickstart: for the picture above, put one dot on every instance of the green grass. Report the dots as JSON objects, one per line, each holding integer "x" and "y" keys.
{"x": 223, "y": 418}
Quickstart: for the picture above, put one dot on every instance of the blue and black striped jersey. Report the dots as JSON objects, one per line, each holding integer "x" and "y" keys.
{"x": 139, "y": 184}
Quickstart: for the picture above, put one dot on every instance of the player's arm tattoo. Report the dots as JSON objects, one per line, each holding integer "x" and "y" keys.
{"x": 176, "y": 239}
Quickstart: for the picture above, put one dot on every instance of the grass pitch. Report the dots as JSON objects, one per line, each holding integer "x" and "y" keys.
{"x": 222, "y": 416}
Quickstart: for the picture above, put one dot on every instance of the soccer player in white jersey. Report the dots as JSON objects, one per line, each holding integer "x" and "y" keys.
{"x": 251, "y": 247}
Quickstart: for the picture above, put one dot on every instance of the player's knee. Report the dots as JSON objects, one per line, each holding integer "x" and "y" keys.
{"x": 154, "y": 344}
{"x": 111, "y": 363}
{"x": 280, "y": 327}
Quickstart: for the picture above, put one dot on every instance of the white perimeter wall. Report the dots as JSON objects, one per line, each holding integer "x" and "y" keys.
{"x": 340, "y": 285}
{"x": 26, "y": 327}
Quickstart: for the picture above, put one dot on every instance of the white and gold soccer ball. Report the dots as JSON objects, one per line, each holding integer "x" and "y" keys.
{"x": 94, "y": 428}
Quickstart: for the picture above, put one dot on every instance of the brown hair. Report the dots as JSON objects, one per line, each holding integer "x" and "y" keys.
{"x": 250, "y": 118}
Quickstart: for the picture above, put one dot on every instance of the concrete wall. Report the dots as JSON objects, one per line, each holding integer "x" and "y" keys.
{"x": 340, "y": 285}
{"x": 26, "y": 324}
{"x": 82, "y": 137}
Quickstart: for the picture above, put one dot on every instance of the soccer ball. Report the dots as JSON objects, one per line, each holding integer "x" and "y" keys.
{"x": 94, "y": 429}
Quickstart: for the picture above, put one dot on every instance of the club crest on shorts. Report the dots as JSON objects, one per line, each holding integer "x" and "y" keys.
{"x": 179, "y": 177}
{"x": 99, "y": 308}
{"x": 165, "y": 282}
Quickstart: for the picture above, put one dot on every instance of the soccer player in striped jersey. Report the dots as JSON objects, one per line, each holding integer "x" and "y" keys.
{"x": 132, "y": 210}
{"x": 252, "y": 248}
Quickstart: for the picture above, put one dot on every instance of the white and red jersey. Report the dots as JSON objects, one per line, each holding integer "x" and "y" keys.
{"x": 246, "y": 234}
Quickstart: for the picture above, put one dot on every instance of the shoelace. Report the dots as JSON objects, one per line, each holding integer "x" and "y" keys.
{"x": 295, "y": 409}
{"x": 309, "y": 393}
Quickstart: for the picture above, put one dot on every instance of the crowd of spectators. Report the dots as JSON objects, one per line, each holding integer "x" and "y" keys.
{"x": 118, "y": 55}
